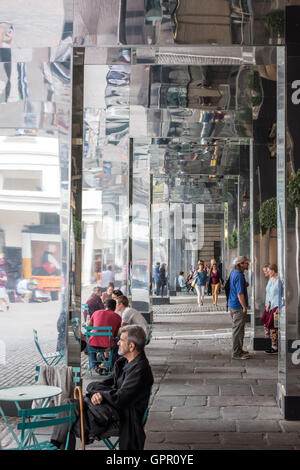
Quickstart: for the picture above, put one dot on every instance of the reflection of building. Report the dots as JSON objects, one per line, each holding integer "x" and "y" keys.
{"x": 205, "y": 21}
{"x": 29, "y": 199}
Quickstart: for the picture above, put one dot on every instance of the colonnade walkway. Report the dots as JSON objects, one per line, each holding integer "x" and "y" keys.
{"x": 201, "y": 398}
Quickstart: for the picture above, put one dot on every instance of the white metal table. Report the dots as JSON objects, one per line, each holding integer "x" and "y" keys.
{"x": 44, "y": 393}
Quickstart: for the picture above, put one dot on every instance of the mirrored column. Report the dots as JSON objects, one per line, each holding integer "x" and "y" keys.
{"x": 288, "y": 165}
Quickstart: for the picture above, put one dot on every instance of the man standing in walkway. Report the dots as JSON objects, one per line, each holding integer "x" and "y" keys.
{"x": 238, "y": 304}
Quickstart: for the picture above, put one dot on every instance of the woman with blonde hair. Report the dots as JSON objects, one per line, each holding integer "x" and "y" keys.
{"x": 270, "y": 314}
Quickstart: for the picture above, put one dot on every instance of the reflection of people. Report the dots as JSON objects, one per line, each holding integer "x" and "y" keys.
{"x": 3, "y": 281}
{"x": 181, "y": 280}
{"x": 107, "y": 277}
{"x": 156, "y": 277}
{"x": 238, "y": 304}
{"x": 162, "y": 280}
{"x": 49, "y": 263}
{"x": 121, "y": 398}
{"x": 26, "y": 289}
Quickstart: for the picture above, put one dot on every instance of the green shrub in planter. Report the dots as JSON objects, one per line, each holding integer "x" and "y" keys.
{"x": 233, "y": 243}
{"x": 268, "y": 214}
{"x": 274, "y": 23}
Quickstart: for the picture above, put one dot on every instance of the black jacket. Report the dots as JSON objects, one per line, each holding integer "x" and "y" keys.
{"x": 127, "y": 390}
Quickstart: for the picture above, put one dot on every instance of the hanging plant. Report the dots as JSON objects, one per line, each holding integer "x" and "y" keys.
{"x": 274, "y": 23}
{"x": 268, "y": 214}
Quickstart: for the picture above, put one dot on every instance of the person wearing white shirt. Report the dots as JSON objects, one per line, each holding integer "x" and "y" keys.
{"x": 130, "y": 316}
{"x": 107, "y": 277}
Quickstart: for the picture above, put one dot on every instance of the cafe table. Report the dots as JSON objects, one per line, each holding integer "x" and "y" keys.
{"x": 43, "y": 393}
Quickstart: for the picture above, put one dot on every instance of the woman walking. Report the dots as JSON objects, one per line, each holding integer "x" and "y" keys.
{"x": 270, "y": 315}
{"x": 214, "y": 280}
{"x": 201, "y": 282}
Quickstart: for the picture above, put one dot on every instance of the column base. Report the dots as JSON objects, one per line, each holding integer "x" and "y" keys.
{"x": 289, "y": 405}
{"x": 160, "y": 300}
{"x": 172, "y": 293}
{"x": 148, "y": 316}
{"x": 261, "y": 344}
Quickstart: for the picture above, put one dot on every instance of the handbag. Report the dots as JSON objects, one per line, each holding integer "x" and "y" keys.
{"x": 193, "y": 283}
{"x": 275, "y": 315}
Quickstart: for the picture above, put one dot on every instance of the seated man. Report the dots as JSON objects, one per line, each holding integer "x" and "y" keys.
{"x": 120, "y": 398}
{"x": 106, "y": 317}
{"x": 130, "y": 316}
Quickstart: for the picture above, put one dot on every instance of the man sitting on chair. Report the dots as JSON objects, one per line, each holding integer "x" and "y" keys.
{"x": 120, "y": 400}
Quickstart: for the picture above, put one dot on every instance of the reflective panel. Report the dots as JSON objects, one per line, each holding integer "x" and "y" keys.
{"x": 174, "y": 22}
{"x": 35, "y": 101}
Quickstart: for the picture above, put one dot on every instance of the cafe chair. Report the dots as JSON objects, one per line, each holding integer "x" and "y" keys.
{"x": 32, "y": 419}
{"x": 101, "y": 359}
{"x": 51, "y": 359}
{"x": 149, "y": 336}
{"x": 113, "y": 431}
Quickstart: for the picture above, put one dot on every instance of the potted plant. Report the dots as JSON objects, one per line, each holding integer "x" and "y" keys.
{"x": 274, "y": 23}
{"x": 268, "y": 215}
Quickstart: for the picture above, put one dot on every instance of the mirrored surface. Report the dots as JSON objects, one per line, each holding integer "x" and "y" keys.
{"x": 35, "y": 102}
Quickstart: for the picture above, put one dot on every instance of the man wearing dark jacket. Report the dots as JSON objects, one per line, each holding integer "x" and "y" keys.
{"x": 121, "y": 399}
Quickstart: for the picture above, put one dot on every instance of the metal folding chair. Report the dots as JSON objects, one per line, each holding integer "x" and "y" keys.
{"x": 33, "y": 419}
{"x": 100, "y": 331}
{"x": 114, "y": 432}
{"x": 51, "y": 359}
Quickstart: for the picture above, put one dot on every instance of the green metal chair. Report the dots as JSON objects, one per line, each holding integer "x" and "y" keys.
{"x": 51, "y": 359}
{"x": 114, "y": 432}
{"x": 33, "y": 419}
{"x": 75, "y": 324}
{"x": 149, "y": 335}
{"x": 76, "y": 374}
{"x": 99, "y": 331}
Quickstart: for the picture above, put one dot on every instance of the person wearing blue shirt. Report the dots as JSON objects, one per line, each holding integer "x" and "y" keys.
{"x": 156, "y": 278}
{"x": 201, "y": 282}
{"x": 238, "y": 304}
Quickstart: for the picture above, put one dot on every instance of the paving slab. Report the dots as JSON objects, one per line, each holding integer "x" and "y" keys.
{"x": 243, "y": 400}
{"x": 196, "y": 412}
{"x": 239, "y": 412}
{"x": 261, "y": 425}
{"x": 193, "y": 437}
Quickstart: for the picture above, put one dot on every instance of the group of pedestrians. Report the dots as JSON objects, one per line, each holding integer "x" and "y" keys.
{"x": 205, "y": 279}
{"x": 238, "y": 305}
